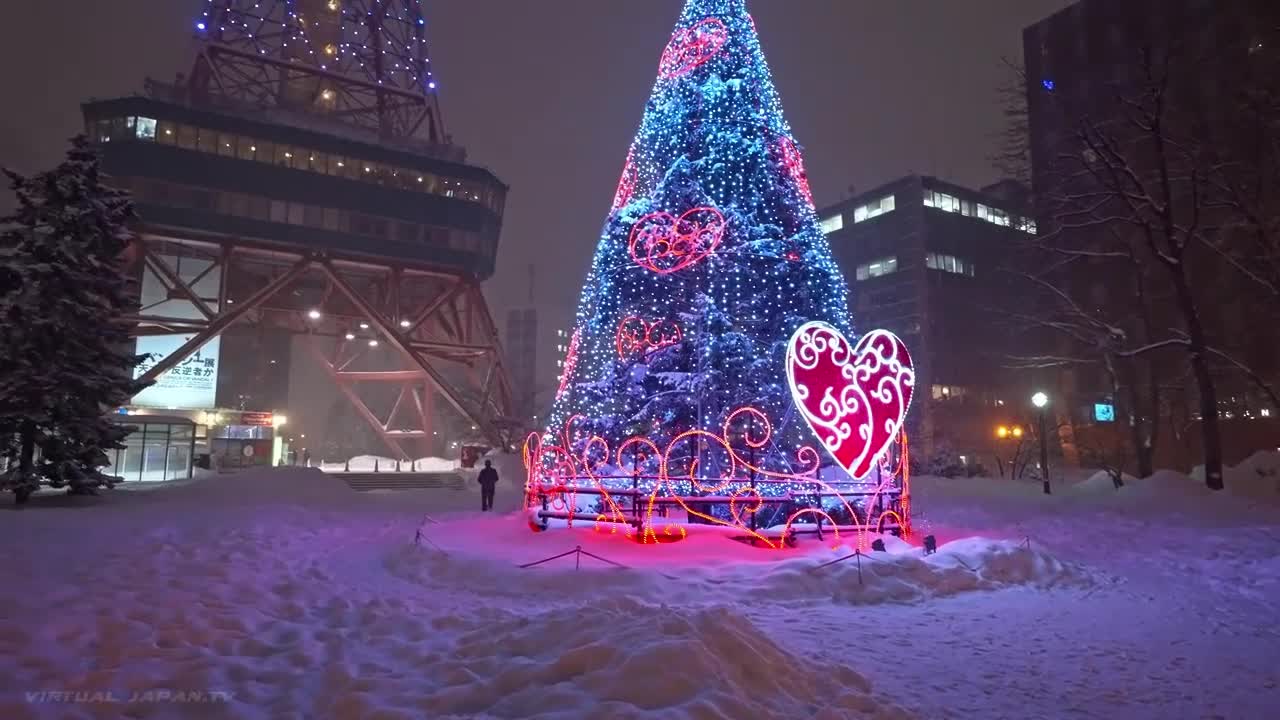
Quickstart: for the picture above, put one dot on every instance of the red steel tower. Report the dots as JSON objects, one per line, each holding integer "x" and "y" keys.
{"x": 299, "y": 197}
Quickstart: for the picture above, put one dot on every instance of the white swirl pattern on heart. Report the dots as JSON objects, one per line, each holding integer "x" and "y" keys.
{"x": 865, "y": 391}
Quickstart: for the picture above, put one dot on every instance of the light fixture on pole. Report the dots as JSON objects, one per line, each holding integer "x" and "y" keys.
{"x": 1041, "y": 401}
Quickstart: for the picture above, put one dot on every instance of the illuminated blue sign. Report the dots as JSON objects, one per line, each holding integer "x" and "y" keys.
{"x": 1104, "y": 412}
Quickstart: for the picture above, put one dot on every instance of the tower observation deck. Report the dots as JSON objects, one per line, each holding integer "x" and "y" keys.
{"x": 298, "y": 185}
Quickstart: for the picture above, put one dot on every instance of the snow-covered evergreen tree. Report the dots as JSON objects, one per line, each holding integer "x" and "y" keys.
{"x": 66, "y": 355}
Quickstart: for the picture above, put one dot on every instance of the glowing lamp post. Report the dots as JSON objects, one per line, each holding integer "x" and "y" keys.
{"x": 1041, "y": 401}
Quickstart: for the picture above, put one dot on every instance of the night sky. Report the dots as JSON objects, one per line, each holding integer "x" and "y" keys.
{"x": 548, "y": 94}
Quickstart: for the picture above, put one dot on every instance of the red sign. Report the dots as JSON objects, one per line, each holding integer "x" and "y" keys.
{"x": 257, "y": 418}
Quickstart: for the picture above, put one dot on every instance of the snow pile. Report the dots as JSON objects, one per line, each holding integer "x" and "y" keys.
{"x": 905, "y": 574}
{"x": 1257, "y": 477}
{"x": 481, "y": 555}
{"x": 625, "y": 659}
{"x": 435, "y": 464}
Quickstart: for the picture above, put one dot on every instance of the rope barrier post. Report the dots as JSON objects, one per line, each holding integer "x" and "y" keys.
{"x": 577, "y": 558}
{"x": 751, "y": 451}
{"x": 858, "y": 555}
{"x": 635, "y": 483}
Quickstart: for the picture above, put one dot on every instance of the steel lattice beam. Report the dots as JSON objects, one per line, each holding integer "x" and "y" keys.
{"x": 435, "y": 333}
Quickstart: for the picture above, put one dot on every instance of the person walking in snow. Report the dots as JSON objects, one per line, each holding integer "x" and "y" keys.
{"x": 488, "y": 484}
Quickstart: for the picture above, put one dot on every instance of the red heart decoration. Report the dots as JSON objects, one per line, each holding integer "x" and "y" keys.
{"x": 636, "y": 335}
{"x": 663, "y": 243}
{"x": 854, "y": 398}
{"x": 692, "y": 47}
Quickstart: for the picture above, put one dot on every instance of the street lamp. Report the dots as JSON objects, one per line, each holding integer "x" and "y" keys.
{"x": 1041, "y": 401}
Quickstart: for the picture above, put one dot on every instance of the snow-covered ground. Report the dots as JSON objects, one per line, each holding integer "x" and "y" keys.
{"x": 295, "y": 597}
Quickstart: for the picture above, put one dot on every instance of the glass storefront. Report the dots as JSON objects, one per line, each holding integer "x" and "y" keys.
{"x": 242, "y": 446}
{"x": 158, "y": 449}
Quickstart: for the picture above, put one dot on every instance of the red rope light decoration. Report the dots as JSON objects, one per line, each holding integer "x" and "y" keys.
{"x": 692, "y": 47}
{"x": 636, "y": 335}
{"x": 554, "y": 471}
{"x": 791, "y": 160}
{"x": 665, "y": 244}
{"x": 626, "y": 185}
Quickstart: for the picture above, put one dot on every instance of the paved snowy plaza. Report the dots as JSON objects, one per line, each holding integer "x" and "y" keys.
{"x": 285, "y": 595}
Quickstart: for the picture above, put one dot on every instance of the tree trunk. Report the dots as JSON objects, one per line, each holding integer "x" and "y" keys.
{"x": 1197, "y": 348}
{"x": 26, "y": 464}
{"x": 1147, "y": 459}
{"x": 27, "y": 455}
{"x": 1141, "y": 434}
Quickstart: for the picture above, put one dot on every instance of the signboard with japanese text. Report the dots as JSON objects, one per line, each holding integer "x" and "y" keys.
{"x": 260, "y": 419}
{"x": 193, "y": 383}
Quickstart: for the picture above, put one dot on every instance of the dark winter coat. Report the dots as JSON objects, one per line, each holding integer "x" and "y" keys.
{"x": 488, "y": 478}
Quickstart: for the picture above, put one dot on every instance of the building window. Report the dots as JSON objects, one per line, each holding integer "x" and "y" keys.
{"x": 942, "y": 201}
{"x": 875, "y": 209}
{"x": 211, "y": 141}
{"x": 832, "y": 224}
{"x": 948, "y": 392}
{"x": 207, "y": 140}
{"x": 995, "y": 216}
{"x": 166, "y": 133}
{"x": 145, "y": 128}
{"x": 949, "y": 263}
{"x": 187, "y": 137}
{"x": 227, "y": 145}
{"x": 876, "y": 268}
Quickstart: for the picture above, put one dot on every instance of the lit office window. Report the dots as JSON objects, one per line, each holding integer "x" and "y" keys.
{"x": 875, "y": 209}
{"x": 832, "y": 224}
{"x": 876, "y": 268}
{"x": 949, "y": 263}
{"x": 145, "y": 128}
{"x": 942, "y": 201}
{"x": 995, "y": 216}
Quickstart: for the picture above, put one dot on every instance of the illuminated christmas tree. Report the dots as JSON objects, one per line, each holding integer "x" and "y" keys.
{"x": 675, "y": 391}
